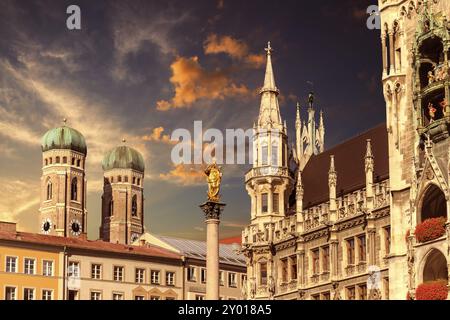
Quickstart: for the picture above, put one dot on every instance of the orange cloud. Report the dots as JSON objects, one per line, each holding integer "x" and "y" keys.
{"x": 158, "y": 136}
{"x": 225, "y": 44}
{"x": 184, "y": 175}
{"x": 237, "y": 49}
{"x": 192, "y": 83}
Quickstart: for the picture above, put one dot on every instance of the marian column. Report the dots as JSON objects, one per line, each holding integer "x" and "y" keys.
{"x": 212, "y": 209}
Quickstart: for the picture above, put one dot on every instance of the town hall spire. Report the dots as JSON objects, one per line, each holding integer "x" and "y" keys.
{"x": 269, "y": 112}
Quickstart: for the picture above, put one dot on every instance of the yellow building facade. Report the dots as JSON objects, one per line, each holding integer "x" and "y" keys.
{"x": 28, "y": 271}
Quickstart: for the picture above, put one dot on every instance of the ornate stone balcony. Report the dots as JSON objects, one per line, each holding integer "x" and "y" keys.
{"x": 267, "y": 171}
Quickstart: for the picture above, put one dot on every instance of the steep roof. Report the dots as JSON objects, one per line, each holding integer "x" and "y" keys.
{"x": 349, "y": 162}
{"x": 95, "y": 246}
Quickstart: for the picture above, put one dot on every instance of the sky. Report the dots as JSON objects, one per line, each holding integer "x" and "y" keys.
{"x": 141, "y": 69}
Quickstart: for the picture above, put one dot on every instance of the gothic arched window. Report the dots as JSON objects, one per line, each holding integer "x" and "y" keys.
{"x": 49, "y": 190}
{"x": 274, "y": 155}
{"x": 119, "y": 179}
{"x": 265, "y": 155}
{"x": 74, "y": 190}
{"x": 111, "y": 208}
{"x": 134, "y": 206}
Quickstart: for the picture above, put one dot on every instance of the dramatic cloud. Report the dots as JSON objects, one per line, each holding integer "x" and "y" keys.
{"x": 184, "y": 175}
{"x": 158, "y": 135}
{"x": 19, "y": 201}
{"x": 192, "y": 83}
{"x": 236, "y": 49}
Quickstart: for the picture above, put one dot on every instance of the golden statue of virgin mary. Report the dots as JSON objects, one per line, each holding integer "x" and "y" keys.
{"x": 214, "y": 178}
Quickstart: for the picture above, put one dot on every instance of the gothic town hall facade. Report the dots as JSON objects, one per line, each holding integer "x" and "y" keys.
{"x": 368, "y": 218}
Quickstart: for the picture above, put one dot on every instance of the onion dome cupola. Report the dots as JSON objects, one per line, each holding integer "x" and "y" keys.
{"x": 64, "y": 138}
{"x": 123, "y": 157}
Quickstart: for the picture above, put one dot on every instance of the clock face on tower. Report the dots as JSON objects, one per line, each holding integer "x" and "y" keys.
{"x": 46, "y": 226}
{"x": 75, "y": 227}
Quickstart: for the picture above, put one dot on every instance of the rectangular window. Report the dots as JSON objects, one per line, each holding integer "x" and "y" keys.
{"x": 232, "y": 280}
{"x": 362, "y": 292}
{"x": 96, "y": 295}
{"x": 243, "y": 279}
{"x": 47, "y": 268}
{"x": 140, "y": 275}
{"x": 10, "y": 293}
{"x": 386, "y": 288}
{"x": 275, "y": 156}
{"x": 203, "y": 275}
{"x": 315, "y": 297}
{"x": 139, "y": 298}
{"x": 192, "y": 274}
{"x": 265, "y": 155}
{"x": 96, "y": 271}
{"x": 326, "y": 295}
{"x": 11, "y": 264}
{"x": 387, "y": 240}
{"x": 155, "y": 277}
{"x": 264, "y": 203}
{"x": 117, "y": 296}
{"x": 155, "y": 298}
{"x": 284, "y": 270}
{"x": 221, "y": 278}
{"x": 73, "y": 269}
{"x": 47, "y": 294}
{"x": 294, "y": 268}
{"x": 351, "y": 293}
{"x": 29, "y": 266}
{"x": 28, "y": 294}
{"x": 315, "y": 262}
{"x": 351, "y": 251}
{"x": 118, "y": 273}
{"x": 199, "y": 297}
{"x": 362, "y": 248}
{"x": 170, "y": 278}
{"x": 276, "y": 202}
{"x": 326, "y": 259}
{"x": 263, "y": 273}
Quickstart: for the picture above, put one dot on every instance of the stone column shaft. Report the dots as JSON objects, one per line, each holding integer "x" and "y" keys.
{"x": 212, "y": 259}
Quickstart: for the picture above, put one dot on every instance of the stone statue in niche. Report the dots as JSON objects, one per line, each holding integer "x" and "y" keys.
{"x": 431, "y": 77}
{"x": 431, "y": 112}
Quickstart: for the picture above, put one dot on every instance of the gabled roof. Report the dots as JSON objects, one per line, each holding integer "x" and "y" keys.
{"x": 95, "y": 246}
{"x": 349, "y": 163}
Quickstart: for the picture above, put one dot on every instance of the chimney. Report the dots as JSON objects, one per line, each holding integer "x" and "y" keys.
{"x": 8, "y": 226}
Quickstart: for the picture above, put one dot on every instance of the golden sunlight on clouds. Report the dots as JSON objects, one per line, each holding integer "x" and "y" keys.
{"x": 20, "y": 200}
{"x": 192, "y": 83}
{"x": 158, "y": 136}
{"x": 237, "y": 49}
{"x": 185, "y": 175}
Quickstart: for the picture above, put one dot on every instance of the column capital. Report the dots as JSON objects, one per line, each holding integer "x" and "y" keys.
{"x": 212, "y": 210}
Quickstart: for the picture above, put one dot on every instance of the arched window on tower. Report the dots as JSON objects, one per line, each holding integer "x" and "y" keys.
{"x": 265, "y": 155}
{"x": 58, "y": 160}
{"x": 119, "y": 179}
{"x": 46, "y": 162}
{"x": 111, "y": 208}
{"x": 134, "y": 206}
{"x": 49, "y": 190}
{"x": 74, "y": 190}
{"x": 274, "y": 155}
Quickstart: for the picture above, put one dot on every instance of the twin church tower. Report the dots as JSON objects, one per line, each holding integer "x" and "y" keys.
{"x": 64, "y": 188}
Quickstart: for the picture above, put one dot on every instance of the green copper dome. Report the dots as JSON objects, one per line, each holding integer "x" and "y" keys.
{"x": 64, "y": 138}
{"x": 123, "y": 157}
